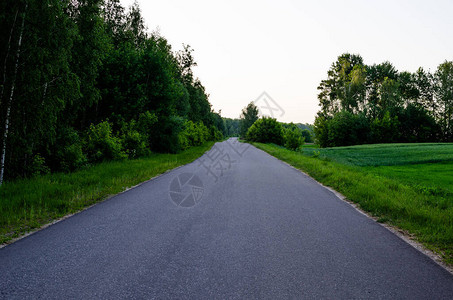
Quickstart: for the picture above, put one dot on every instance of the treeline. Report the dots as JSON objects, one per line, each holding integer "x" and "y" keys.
{"x": 363, "y": 104}
{"x": 269, "y": 130}
{"x": 83, "y": 81}
{"x": 232, "y": 127}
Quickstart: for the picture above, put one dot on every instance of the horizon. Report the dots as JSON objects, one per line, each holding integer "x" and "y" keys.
{"x": 286, "y": 48}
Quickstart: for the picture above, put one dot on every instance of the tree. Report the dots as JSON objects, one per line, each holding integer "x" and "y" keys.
{"x": 66, "y": 65}
{"x": 248, "y": 116}
{"x": 390, "y": 106}
{"x": 39, "y": 86}
{"x": 443, "y": 89}
{"x": 266, "y": 130}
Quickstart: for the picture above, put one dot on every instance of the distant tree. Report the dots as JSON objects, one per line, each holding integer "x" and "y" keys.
{"x": 266, "y": 130}
{"x": 443, "y": 89}
{"x": 424, "y": 83}
{"x": 231, "y": 127}
{"x": 378, "y": 104}
{"x": 248, "y": 116}
{"x": 306, "y": 134}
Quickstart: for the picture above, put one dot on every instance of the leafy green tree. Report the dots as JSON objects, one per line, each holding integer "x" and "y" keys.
{"x": 385, "y": 129}
{"x": 307, "y": 136}
{"x": 231, "y": 127}
{"x": 248, "y": 116}
{"x": 346, "y": 128}
{"x": 266, "y": 130}
{"x": 416, "y": 124}
{"x": 370, "y": 104}
{"x": 424, "y": 83}
{"x": 102, "y": 145}
{"x": 38, "y": 81}
{"x": 443, "y": 89}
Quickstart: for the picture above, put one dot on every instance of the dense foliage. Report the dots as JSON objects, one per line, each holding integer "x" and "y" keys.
{"x": 232, "y": 127}
{"x": 82, "y": 81}
{"x": 377, "y": 104}
{"x": 269, "y": 130}
{"x": 266, "y": 130}
{"x": 293, "y": 136}
{"x": 248, "y": 116}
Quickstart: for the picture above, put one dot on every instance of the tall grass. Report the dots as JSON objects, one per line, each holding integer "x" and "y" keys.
{"x": 427, "y": 216}
{"x": 29, "y": 203}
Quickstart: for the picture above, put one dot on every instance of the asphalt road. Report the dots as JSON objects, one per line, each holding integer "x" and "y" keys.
{"x": 236, "y": 223}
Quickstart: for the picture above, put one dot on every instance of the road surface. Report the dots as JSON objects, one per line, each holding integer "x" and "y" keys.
{"x": 237, "y": 224}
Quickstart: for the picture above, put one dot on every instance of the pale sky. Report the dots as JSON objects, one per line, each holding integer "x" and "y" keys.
{"x": 285, "y": 47}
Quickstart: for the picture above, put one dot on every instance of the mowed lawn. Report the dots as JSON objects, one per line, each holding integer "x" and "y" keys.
{"x": 406, "y": 185}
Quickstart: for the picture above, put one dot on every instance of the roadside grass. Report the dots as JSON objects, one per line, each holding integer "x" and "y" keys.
{"x": 395, "y": 194}
{"x": 30, "y": 203}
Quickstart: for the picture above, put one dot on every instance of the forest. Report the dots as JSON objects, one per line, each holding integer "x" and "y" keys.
{"x": 83, "y": 81}
{"x": 366, "y": 104}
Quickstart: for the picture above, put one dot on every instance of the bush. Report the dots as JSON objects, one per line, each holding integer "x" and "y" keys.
{"x": 215, "y": 133}
{"x": 266, "y": 130}
{"x": 69, "y": 155}
{"x": 134, "y": 143}
{"x": 145, "y": 125}
{"x": 346, "y": 129}
{"x": 194, "y": 134}
{"x": 101, "y": 144}
{"x": 343, "y": 129}
{"x": 38, "y": 166}
{"x": 165, "y": 137}
{"x": 293, "y": 138}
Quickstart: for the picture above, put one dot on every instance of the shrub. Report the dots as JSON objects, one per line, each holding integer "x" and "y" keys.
{"x": 68, "y": 153}
{"x": 38, "y": 166}
{"x": 293, "y": 138}
{"x": 343, "y": 129}
{"x": 165, "y": 136}
{"x": 215, "y": 133}
{"x": 101, "y": 144}
{"x": 266, "y": 130}
{"x": 134, "y": 143}
{"x": 145, "y": 125}
{"x": 194, "y": 134}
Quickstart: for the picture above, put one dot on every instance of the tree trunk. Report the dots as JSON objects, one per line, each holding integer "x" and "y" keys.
{"x": 11, "y": 95}
{"x": 6, "y": 56}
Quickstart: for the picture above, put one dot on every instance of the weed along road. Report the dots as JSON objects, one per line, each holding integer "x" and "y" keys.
{"x": 236, "y": 223}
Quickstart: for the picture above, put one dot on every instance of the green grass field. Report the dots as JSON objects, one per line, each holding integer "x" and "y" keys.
{"x": 406, "y": 185}
{"x": 426, "y": 167}
{"x": 30, "y": 203}
{"x": 385, "y": 154}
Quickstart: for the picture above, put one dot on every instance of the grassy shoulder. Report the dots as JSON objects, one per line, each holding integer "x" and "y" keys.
{"x": 426, "y": 216}
{"x": 30, "y": 203}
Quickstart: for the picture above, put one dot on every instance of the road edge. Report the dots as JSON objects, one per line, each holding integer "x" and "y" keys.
{"x": 403, "y": 235}
{"x": 35, "y": 230}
